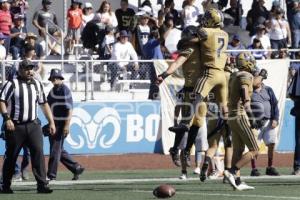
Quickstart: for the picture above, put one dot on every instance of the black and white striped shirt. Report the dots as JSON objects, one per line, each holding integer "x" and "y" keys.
{"x": 22, "y": 98}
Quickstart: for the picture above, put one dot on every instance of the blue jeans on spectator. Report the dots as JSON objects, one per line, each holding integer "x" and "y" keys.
{"x": 7, "y": 44}
{"x": 121, "y": 72}
{"x": 147, "y": 71}
{"x": 25, "y": 162}
{"x": 15, "y": 52}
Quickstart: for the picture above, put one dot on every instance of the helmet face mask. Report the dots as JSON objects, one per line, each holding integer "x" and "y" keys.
{"x": 246, "y": 62}
{"x": 213, "y": 18}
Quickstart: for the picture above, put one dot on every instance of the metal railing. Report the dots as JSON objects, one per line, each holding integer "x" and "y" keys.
{"x": 84, "y": 72}
{"x": 61, "y": 42}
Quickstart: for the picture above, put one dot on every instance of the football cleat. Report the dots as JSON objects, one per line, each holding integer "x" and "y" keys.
{"x": 230, "y": 177}
{"x": 243, "y": 186}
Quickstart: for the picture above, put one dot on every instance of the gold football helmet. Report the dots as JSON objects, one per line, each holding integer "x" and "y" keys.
{"x": 213, "y": 18}
{"x": 245, "y": 62}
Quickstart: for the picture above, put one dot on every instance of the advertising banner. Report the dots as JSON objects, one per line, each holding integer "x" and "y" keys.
{"x": 111, "y": 128}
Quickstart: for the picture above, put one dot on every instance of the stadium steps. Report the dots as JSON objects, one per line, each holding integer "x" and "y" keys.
{"x": 139, "y": 91}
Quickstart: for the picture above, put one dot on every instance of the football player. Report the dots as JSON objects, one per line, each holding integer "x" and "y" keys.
{"x": 189, "y": 60}
{"x": 213, "y": 43}
{"x": 217, "y": 128}
{"x": 241, "y": 119}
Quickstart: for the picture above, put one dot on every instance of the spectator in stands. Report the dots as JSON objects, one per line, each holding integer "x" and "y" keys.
{"x": 256, "y": 15}
{"x": 235, "y": 11}
{"x": 142, "y": 33}
{"x": 41, "y": 17}
{"x": 18, "y": 34}
{"x": 256, "y": 45}
{"x": 262, "y": 36}
{"x": 105, "y": 15}
{"x": 2, "y": 48}
{"x": 294, "y": 94}
{"x": 147, "y": 6}
{"x": 87, "y": 14}
{"x": 125, "y": 17}
{"x": 19, "y": 7}
{"x": 235, "y": 44}
{"x": 294, "y": 65}
{"x": 164, "y": 31}
{"x": 152, "y": 47}
{"x": 31, "y": 39}
{"x": 34, "y": 51}
{"x": 108, "y": 42}
{"x": 123, "y": 50}
{"x": 74, "y": 24}
{"x": 274, "y": 8}
{"x": 167, "y": 10}
{"x": 5, "y": 22}
{"x": 264, "y": 105}
{"x": 293, "y": 14}
{"x": 31, "y": 55}
{"x": 206, "y": 4}
{"x": 279, "y": 31}
{"x": 152, "y": 51}
{"x": 190, "y": 14}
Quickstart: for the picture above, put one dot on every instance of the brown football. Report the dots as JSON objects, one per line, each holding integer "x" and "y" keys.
{"x": 164, "y": 191}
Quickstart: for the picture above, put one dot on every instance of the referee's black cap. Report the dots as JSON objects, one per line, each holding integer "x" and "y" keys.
{"x": 25, "y": 64}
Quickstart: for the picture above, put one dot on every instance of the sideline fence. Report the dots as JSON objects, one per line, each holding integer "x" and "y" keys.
{"x": 89, "y": 75}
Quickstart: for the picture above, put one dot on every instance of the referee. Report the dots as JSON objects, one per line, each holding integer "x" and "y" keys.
{"x": 18, "y": 104}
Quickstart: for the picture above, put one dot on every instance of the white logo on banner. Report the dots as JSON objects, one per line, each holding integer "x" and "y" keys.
{"x": 92, "y": 128}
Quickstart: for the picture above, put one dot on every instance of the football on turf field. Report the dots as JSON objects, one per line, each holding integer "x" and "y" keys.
{"x": 164, "y": 191}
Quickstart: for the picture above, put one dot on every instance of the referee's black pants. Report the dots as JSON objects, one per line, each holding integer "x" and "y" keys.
{"x": 29, "y": 134}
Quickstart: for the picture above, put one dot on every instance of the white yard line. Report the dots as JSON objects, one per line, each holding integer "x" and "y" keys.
{"x": 107, "y": 181}
{"x": 227, "y": 195}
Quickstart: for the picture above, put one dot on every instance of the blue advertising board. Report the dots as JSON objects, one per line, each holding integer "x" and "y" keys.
{"x": 111, "y": 128}
{"x": 130, "y": 127}
{"x": 287, "y": 135}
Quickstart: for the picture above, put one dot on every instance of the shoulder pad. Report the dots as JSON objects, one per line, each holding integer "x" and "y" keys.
{"x": 245, "y": 78}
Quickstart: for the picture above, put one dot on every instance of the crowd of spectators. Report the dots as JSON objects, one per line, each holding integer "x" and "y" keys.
{"x": 146, "y": 29}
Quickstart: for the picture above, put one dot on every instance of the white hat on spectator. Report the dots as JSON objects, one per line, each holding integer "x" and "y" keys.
{"x": 146, "y": 9}
{"x": 140, "y": 13}
{"x": 3, "y": 1}
{"x": 88, "y": 5}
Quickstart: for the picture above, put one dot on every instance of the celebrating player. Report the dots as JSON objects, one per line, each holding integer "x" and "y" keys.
{"x": 241, "y": 119}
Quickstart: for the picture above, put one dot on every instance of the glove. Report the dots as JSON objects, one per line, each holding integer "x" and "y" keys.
{"x": 160, "y": 78}
{"x": 164, "y": 75}
{"x": 254, "y": 124}
{"x": 263, "y": 73}
{"x": 252, "y": 120}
